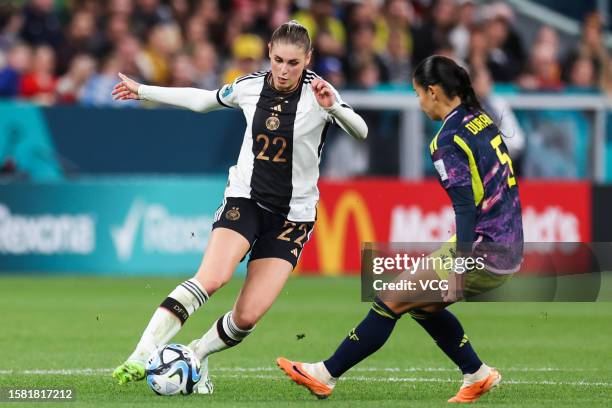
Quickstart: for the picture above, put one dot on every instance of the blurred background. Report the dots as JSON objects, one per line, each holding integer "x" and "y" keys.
{"x": 90, "y": 185}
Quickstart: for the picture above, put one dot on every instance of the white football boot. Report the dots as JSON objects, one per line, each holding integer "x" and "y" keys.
{"x": 205, "y": 385}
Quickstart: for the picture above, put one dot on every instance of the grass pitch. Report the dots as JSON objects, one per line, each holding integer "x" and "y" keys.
{"x": 69, "y": 332}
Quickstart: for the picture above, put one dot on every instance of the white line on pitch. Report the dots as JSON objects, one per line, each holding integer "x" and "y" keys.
{"x": 419, "y": 379}
{"x": 99, "y": 371}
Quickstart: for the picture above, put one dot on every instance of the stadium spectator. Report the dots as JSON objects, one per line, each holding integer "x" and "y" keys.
{"x": 205, "y": 62}
{"x": 213, "y": 19}
{"x": 183, "y": 72}
{"x": 97, "y": 91}
{"x": 548, "y": 35}
{"x": 479, "y": 49}
{"x": 70, "y": 85}
{"x": 459, "y": 37}
{"x": 18, "y": 61}
{"x": 195, "y": 32}
{"x": 397, "y": 59}
{"x": 247, "y": 55}
{"x": 164, "y": 41}
{"x": 435, "y": 30}
{"x": 592, "y": 46}
{"x": 130, "y": 56}
{"x": 398, "y": 18}
{"x": 39, "y": 84}
{"x": 117, "y": 28}
{"x": 327, "y": 30}
{"x": 149, "y": 14}
{"x": 251, "y": 17}
{"x": 180, "y": 10}
{"x": 544, "y": 71}
{"x": 41, "y": 24}
{"x": 11, "y": 21}
{"x": 330, "y": 68}
{"x": 367, "y": 75}
{"x": 123, "y": 8}
{"x": 505, "y": 50}
{"x": 81, "y": 38}
{"x": 502, "y": 114}
{"x": 280, "y": 13}
{"x": 446, "y": 49}
{"x": 582, "y": 75}
{"x": 368, "y": 12}
{"x": 363, "y": 53}
{"x": 145, "y": 35}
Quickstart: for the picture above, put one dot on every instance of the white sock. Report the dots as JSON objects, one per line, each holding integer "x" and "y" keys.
{"x": 223, "y": 334}
{"x": 319, "y": 371}
{"x": 169, "y": 317}
{"x": 482, "y": 373}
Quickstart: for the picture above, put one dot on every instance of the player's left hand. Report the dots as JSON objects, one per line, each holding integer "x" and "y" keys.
{"x": 325, "y": 96}
{"x": 455, "y": 288}
{"x": 126, "y": 89}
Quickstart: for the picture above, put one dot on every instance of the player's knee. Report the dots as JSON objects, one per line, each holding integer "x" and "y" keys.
{"x": 399, "y": 308}
{"x": 211, "y": 283}
{"x": 425, "y": 312}
{"x": 434, "y": 308}
{"x": 246, "y": 319}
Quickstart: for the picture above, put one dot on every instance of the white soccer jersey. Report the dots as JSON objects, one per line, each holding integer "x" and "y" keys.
{"x": 279, "y": 159}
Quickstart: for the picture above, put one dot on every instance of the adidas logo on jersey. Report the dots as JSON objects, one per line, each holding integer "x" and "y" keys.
{"x": 278, "y": 108}
{"x": 294, "y": 252}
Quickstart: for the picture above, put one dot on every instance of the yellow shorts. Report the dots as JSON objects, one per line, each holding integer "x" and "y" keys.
{"x": 477, "y": 281}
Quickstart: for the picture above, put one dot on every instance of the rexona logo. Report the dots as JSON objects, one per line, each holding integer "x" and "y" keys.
{"x": 46, "y": 234}
{"x": 162, "y": 232}
{"x": 411, "y": 224}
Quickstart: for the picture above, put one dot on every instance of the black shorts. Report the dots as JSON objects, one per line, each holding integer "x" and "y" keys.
{"x": 270, "y": 235}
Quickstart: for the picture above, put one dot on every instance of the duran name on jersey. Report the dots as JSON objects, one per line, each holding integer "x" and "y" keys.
{"x": 278, "y": 165}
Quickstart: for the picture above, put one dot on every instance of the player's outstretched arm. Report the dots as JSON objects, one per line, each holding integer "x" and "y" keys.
{"x": 351, "y": 122}
{"x": 199, "y": 100}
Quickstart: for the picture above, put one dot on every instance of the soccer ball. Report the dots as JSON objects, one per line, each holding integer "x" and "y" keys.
{"x": 173, "y": 369}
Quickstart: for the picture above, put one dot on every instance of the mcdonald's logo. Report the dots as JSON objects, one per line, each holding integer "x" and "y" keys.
{"x": 332, "y": 230}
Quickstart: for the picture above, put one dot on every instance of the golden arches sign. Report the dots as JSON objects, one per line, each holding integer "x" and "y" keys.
{"x": 332, "y": 230}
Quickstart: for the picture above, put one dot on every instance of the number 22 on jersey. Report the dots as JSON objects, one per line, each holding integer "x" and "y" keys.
{"x": 278, "y": 140}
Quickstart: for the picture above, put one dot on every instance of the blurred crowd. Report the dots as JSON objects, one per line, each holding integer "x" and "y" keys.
{"x": 69, "y": 51}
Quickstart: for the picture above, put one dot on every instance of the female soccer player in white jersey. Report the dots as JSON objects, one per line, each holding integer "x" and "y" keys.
{"x": 269, "y": 205}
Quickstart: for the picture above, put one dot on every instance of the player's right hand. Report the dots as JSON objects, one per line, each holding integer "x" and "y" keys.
{"x": 126, "y": 89}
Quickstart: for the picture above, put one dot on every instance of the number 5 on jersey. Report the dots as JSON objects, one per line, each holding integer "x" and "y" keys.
{"x": 504, "y": 158}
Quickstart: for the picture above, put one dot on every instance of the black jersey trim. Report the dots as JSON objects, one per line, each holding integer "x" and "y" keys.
{"x": 254, "y": 75}
{"x": 323, "y": 137}
{"x": 310, "y": 75}
{"x": 220, "y": 101}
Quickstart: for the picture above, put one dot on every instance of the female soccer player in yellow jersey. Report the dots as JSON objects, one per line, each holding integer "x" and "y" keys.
{"x": 475, "y": 170}
{"x": 269, "y": 204}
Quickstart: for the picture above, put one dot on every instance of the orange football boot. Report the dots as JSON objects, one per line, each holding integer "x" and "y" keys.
{"x": 472, "y": 392}
{"x": 296, "y": 372}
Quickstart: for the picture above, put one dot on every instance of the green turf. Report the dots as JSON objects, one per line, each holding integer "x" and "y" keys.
{"x": 550, "y": 354}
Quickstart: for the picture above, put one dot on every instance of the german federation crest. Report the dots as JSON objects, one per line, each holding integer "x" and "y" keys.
{"x": 272, "y": 123}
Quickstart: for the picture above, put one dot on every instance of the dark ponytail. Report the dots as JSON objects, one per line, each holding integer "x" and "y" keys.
{"x": 451, "y": 77}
